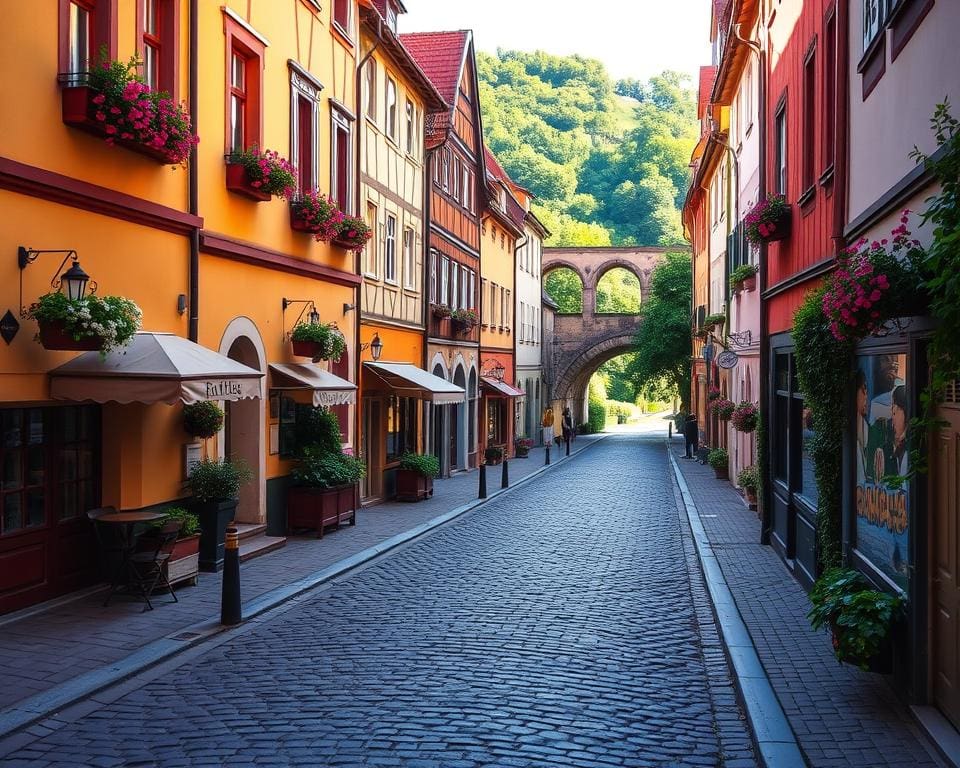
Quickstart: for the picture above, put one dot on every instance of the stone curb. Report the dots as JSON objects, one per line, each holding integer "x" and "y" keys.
{"x": 776, "y": 744}
{"x": 49, "y": 702}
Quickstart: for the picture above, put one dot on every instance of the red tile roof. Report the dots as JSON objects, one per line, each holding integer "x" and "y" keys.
{"x": 440, "y": 55}
{"x": 515, "y": 212}
{"x": 707, "y": 77}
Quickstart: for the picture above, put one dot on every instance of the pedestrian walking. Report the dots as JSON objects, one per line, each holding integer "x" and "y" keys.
{"x": 691, "y": 434}
{"x": 567, "y": 428}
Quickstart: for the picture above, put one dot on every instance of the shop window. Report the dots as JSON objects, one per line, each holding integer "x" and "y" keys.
{"x": 494, "y": 421}
{"x": 341, "y": 159}
{"x": 85, "y": 27}
{"x": 245, "y": 54}
{"x": 158, "y": 24}
{"x": 401, "y": 427}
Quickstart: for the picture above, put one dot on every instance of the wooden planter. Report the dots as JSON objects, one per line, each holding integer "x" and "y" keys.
{"x": 461, "y": 328}
{"x": 317, "y": 508}
{"x": 78, "y": 109}
{"x": 309, "y": 349}
{"x": 412, "y": 486}
{"x": 184, "y": 562}
{"x": 239, "y": 182}
{"x": 54, "y": 336}
{"x": 522, "y": 451}
{"x": 782, "y": 225}
{"x": 721, "y": 473}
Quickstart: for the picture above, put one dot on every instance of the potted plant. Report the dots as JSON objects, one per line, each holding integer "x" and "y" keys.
{"x": 113, "y": 102}
{"x": 493, "y": 454}
{"x": 718, "y": 459}
{"x": 415, "y": 476}
{"x": 91, "y": 323}
{"x": 723, "y": 408}
{"x": 184, "y": 561}
{"x": 353, "y": 233}
{"x": 440, "y": 311}
{"x": 325, "y": 490}
{"x": 749, "y": 480}
{"x": 522, "y": 446}
{"x": 259, "y": 175}
{"x": 215, "y": 486}
{"x": 464, "y": 320}
{"x": 769, "y": 220}
{"x": 860, "y": 618}
{"x": 317, "y": 214}
{"x": 745, "y": 417}
{"x": 203, "y": 419}
{"x": 744, "y": 278}
{"x": 714, "y": 321}
{"x": 318, "y": 341}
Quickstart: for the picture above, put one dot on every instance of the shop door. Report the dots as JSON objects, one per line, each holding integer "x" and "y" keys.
{"x": 372, "y": 447}
{"x": 49, "y": 478}
{"x": 945, "y": 482}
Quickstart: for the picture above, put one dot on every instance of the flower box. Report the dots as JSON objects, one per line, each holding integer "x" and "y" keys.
{"x": 318, "y": 508}
{"x": 750, "y": 284}
{"x": 184, "y": 562}
{"x": 299, "y": 224}
{"x": 239, "y": 182}
{"x": 779, "y": 228}
{"x": 77, "y": 110}
{"x": 413, "y": 485}
{"x": 54, "y": 336}
{"x": 721, "y": 473}
{"x": 309, "y": 349}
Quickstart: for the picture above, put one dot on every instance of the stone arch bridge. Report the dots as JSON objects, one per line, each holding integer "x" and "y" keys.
{"x": 584, "y": 341}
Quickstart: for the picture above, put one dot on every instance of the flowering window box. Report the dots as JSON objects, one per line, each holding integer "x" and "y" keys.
{"x": 239, "y": 183}
{"x": 315, "y": 214}
{"x": 79, "y": 111}
{"x": 353, "y": 233}
{"x": 54, "y": 336}
{"x": 769, "y": 220}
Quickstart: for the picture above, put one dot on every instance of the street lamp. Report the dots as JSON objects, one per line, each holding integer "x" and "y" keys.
{"x": 375, "y": 346}
{"x": 75, "y": 280}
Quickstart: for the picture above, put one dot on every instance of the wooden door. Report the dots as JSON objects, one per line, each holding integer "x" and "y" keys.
{"x": 372, "y": 447}
{"x": 945, "y": 504}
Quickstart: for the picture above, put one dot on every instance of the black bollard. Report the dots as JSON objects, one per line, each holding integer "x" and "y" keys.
{"x": 230, "y": 596}
{"x": 504, "y": 476}
{"x": 568, "y": 446}
{"x": 547, "y": 458}
{"x": 669, "y": 429}
{"x": 483, "y": 482}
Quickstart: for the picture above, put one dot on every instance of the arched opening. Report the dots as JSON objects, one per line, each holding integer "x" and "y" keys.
{"x": 440, "y": 427}
{"x": 458, "y": 426}
{"x": 618, "y": 292}
{"x": 565, "y": 287}
{"x": 472, "y": 418}
{"x": 242, "y": 428}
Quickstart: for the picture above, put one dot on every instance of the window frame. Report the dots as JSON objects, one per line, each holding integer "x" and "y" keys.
{"x": 781, "y": 146}
{"x": 166, "y": 40}
{"x": 370, "y": 86}
{"x": 390, "y": 122}
{"x": 344, "y": 25}
{"x": 409, "y": 258}
{"x": 410, "y": 115}
{"x": 372, "y": 261}
{"x": 829, "y": 90}
{"x": 444, "y": 279}
{"x": 390, "y": 249}
{"x": 809, "y": 129}
{"x": 101, "y": 30}
{"x": 433, "y": 287}
{"x": 303, "y": 91}
{"x": 341, "y": 124}
{"x": 252, "y": 49}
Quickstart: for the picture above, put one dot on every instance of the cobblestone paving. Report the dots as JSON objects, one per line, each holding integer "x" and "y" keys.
{"x": 563, "y": 624}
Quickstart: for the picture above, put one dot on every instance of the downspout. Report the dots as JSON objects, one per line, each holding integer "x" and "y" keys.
{"x": 840, "y": 138}
{"x": 193, "y": 287}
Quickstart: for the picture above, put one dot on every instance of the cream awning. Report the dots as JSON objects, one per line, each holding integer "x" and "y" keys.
{"x": 155, "y": 368}
{"x": 501, "y": 388}
{"x": 328, "y": 389}
{"x": 409, "y": 381}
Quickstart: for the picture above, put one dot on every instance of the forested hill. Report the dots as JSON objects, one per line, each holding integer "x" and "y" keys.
{"x": 607, "y": 162}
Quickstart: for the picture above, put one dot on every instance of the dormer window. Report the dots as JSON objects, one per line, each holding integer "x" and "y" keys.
{"x": 392, "y": 17}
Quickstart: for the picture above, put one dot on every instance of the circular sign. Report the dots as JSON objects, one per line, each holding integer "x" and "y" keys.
{"x": 727, "y": 359}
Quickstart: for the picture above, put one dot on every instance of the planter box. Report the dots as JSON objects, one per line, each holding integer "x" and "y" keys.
{"x": 783, "y": 226}
{"x": 184, "y": 562}
{"x": 309, "y": 349}
{"x": 317, "y": 508}
{"x": 237, "y": 181}
{"x": 412, "y": 486}
{"x": 54, "y": 336}
{"x": 522, "y": 453}
{"x": 299, "y": 224}
{"x": 347, "y": 245}
{"x": 461, "y": 328}
{"x": 751, "y": 498}
{"x": 721, "y": 473}
{"x": 77, "y": 110}
{"x": 750, "y": 284}
{"x": 214, "y": 516}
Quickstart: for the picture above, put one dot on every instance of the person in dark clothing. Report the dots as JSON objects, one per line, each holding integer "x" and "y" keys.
{"x": 567, "y": 428}
{"x": 691, "y": 434}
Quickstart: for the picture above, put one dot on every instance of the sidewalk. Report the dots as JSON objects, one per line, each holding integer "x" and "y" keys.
{"x": 841, "y": 717}
{"x": 45, "y": 649}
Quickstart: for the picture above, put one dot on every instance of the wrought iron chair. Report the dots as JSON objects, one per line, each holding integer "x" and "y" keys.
{"x": 147, "y": 568}
{"x": 109, "y": 547}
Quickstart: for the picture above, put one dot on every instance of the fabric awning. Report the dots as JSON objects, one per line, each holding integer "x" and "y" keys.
{"x": 409, "y": 381}
{"x": 501, "y": 388}
{"x": 155, "y": 368}
{"x": 328, "y": 389}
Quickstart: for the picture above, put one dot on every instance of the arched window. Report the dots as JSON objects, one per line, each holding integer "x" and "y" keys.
{"x": 618, "y": 292}
{"x": 565, "y": 287}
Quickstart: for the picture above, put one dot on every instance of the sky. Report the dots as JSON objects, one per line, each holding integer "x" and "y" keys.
{"x": 633, "y": 38}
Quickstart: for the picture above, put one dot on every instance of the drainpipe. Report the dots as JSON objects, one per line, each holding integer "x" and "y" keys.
{"x": 193, "y": 288}
{"x": 428, "y": 410}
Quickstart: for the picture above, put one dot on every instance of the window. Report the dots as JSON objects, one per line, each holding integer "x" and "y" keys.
{"x": 874, "y": 16}
{"x": 465, "y": 196}
{"x": 391, "y": 108}
{"x": 84, "y": 27}
{"x": 433, "y": 276}
{"x": 304, "y": 112}
{"x": 722, "y": 191}
{"x": 244, "y": 94}
{"x": 411, "y": 127}
{"x": 809, "y": 119}
{"x": 80, "y": 37}
{"x": 454, "y": 286}
{"x": 748, "y": 97}
{"x": 371, "y": 266}
{"x": 409, "y": 258}
{"x": 158, "y": 24}
{"x": 473, "y": 289}
{"x": 457, "y": 173}
{"x": 341, "y": 15}
{"x": 390, "y": 251}
{"x": 465, "y": 295}
{"x": 829, "y": 89}
{"x": 392, "y": 18}
{"x": 507, "y": 310}
{"x": 780, "y": 158}
{"x": 341, "y": 160}
{"x": 484, "y": 307}
{"x": 444, "y": 278}
{"x": 445, "y": 171}
{"x": 151, "y": 43}
{"x": 370, "y": 84}
{"x": 401, "y": 426}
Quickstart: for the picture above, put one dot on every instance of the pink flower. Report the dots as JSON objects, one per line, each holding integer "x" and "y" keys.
{"x": 99, "y": 98}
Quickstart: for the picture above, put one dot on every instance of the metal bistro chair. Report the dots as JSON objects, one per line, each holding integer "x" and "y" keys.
{"x": 147, "y": 571}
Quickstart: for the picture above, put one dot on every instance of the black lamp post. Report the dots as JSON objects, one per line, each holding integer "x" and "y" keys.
{"x": 376, "y": 347}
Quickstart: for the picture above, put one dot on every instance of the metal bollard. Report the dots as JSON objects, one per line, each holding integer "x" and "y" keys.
{"x": 230, "y": 596}
{"x": 483, "y": 482}
{"x": 669, "y": 429}
{"x": 547, "y": 458}
{"x": 504, "y": 476}
{"x": 568, "y": 446}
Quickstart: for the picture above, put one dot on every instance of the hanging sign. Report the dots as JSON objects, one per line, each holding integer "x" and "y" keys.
{"x": 727, "y": 359}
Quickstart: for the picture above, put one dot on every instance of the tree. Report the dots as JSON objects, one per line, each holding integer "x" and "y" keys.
{"x": 564, "y": 287}
{"x": 663, "y": 346}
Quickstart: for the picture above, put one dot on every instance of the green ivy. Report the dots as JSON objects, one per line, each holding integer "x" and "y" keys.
{"x": 823, "y": 371}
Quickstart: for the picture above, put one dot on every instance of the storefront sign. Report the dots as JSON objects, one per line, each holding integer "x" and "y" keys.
{"x": 882, "y": 455}
{"x": 220, "y": 389}
{"x": 727, "y": 359}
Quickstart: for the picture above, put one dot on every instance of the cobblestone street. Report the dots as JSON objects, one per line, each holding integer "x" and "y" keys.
{"x": 564, "y": 623}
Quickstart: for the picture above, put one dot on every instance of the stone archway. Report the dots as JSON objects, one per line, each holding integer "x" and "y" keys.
{"x": 244, "y": 432}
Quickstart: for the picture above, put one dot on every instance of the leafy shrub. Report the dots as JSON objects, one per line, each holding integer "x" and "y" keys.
{"x": 493, "y": 454}
{"x": 327, "y": 470}
{"x": 596, "y": 416}
{"x": 718, "y": 458}
{"x": 425, "y": 464}
{"x": 749, "y": 478}
{"x": 203, "y": 419}
{"x": 713, "y": 321}
{"x": 317, "y": 430}
{"x": 214, "y": 480}
{"x": 741, "y": 273}
{"x": 189, "y": 522}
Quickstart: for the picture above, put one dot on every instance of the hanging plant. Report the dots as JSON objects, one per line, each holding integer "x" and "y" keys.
{"x": 723, "y": 408}
{"x": 353, "y": 233}
{"x": 319, "y": 341}
{"x": 768, "y": 220}
{"x": 745, "y": 417}
{"x": 203, "y": 419}
{"x": 713, "y": 393}
{"x": 108, "y": 322}
{"x": 317, "y": 214}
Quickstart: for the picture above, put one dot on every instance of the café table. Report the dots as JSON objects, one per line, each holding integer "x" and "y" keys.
{"x": 126, "y": 523}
